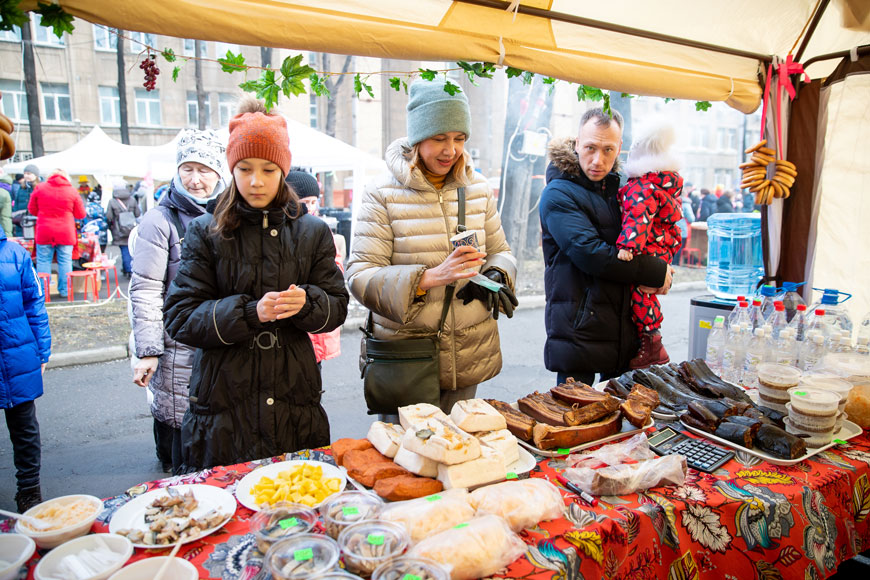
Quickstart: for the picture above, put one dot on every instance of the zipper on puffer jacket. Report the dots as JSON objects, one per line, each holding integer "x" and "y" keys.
{"x": 265, "y": 219}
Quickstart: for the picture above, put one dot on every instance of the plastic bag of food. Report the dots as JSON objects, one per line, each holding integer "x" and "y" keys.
{"x": 855, "y": 369}
{"x": 477, "y": 548}
{"x": 521, "y": 503}
{"x": 634, "y": 449}
{"x": 629, "y": 478}
{"x": 428, "y": 515}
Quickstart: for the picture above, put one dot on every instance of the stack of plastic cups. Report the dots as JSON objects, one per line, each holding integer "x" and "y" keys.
{"x": 774, "y": 381}
{"x": 836, "y": 385}
{"x": 812, "y": 414}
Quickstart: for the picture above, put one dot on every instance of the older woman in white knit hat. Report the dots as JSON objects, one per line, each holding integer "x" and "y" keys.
{"x": 164, "y": 365}
{"x": 402, "y": 260}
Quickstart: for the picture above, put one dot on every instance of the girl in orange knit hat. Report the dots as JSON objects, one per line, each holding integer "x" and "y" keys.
{"x": 256, "y": 276}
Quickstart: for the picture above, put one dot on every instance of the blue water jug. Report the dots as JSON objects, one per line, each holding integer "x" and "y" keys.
{"x": 735, "y": 263}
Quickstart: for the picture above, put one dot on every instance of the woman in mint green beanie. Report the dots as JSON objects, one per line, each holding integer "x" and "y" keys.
{"x": 402, "y": 259}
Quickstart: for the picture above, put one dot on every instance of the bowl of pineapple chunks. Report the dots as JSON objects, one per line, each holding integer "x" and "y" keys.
{"x": 300, "y": 481}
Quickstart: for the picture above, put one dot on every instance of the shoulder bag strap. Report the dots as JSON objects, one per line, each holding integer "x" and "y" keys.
{"x": 448, "y": 292}
{"x": 179, "y": 227}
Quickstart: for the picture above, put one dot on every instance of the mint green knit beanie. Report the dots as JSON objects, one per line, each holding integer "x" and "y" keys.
{"x": 433, "y": 111}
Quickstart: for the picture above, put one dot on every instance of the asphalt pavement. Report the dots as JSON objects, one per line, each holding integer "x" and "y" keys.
{"x": 96, "y": 426}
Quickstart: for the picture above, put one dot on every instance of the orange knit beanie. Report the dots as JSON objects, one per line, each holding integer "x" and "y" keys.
{"x": 256, "y": 134}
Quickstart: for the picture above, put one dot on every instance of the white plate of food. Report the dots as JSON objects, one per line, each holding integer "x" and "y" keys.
{"x": 846, "y": 432}
{"x": 247, "y": 483}
{"x": 202, "y": 510}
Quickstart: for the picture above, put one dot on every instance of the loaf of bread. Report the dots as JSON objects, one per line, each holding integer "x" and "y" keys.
{"x": 342, "y": 446}
{"x": 416, "y": 463}
{"x": 411, "y": 415}
{"x": 371, "y": 474}
{"x": 386, "y": 437}
{"x": 477, "y": 548}
{"x": 475, "y": 415}
{"x": 432, "y": 514}
{"x": 502, "y": 441}
{"x": 522, "y": 503}
{"x": 442, "y": 441}
{"x": 406, "y": 487}
{"x": 487, "y": 468}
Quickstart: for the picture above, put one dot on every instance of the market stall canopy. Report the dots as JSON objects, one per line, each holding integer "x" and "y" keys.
{"x": 701, "y": 50}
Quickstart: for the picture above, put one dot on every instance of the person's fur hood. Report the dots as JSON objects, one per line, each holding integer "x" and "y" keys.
{"x": 564, "y": 157}
{"x": 651, "y": 150}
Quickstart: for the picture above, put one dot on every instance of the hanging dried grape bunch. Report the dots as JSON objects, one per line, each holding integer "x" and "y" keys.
{"x": 149, "y": 65}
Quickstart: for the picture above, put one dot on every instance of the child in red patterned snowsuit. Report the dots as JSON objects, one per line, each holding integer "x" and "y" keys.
{"x": 651, "y": 208}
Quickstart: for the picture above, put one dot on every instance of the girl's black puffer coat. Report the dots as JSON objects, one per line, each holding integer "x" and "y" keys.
{"x": 255, "y": 388}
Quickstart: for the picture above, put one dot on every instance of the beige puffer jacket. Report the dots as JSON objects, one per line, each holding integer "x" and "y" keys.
{"x": 402, "y": 230}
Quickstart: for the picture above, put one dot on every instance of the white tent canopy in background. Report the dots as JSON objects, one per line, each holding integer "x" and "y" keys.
{"x": 99, "y": 155}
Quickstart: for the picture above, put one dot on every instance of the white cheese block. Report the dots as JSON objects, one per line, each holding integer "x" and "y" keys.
{"x": 386, "y": 437}
{"x": 489, "y": 467}
{"x": 412, "y": 414}
{"x": 502, "y": 441}
{"x": 477, "y": 415}
{"x": 442, "y": 441}
{"x": 416, "y": 463}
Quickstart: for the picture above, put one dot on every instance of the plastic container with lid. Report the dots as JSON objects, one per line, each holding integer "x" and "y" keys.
{"x": 369, "y": 544}
{"x": 829, "y": 383}
{"x": 773, "y": 399}
{"x": 842, "y": 416}
{"x": 777, "y": 376}
{"x": 301, "y": 556}
{"x": 810, "y": 423}
{"x": 810, "y": 438}
{"x": 814, "y": 402}
{"x": 349, "y": 507}
{"x": 281, "y": 521}
{"x": 405, "y": 566}
{"x": 855, "y": 368}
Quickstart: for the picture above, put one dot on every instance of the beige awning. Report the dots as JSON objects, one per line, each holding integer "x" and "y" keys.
{"x": 700, "y": 49}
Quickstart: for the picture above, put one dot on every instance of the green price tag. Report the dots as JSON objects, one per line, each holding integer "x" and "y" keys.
{"x": 350, "y": 510}
{"x": 435, "y": 497}
{"x": 376, "y": 539}
{"x": 288, "y": 523}
{"x": 800, "y": 393}
{"x": 411, "y": 577}
{"x": 302, "y": 555}
{"x": 563, "y": 451}
{"x": 840, "y": 442}
{"x": 462, "y": 525}
{"x": 511, "y": 475}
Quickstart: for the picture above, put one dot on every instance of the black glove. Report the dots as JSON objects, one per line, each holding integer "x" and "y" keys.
{"x": 503, "y": 299}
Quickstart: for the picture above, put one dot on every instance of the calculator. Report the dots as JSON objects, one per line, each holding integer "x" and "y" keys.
{"x": 699, "y": 454}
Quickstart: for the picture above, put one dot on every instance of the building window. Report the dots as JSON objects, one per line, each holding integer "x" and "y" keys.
{"x": 138, "y": 40}
{"x": 13, "y": 35}
{"x": 699, "y": 137}
{"x": 56, "y": 102}
{"x": 227, "y": 108}
{"x": 110, "y": 106}
{"x": 189, "y": 47}
{"x": 193, "y": 110}
{"x": 14, "y": 104}
{"x": 147, "y": 107}
{"x": 725, "y": 178}
{"x": 105, "y": 39}
{"x": 45, "y": 36}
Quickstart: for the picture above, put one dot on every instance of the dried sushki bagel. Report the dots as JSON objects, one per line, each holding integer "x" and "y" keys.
{"x": 757, "y": 176}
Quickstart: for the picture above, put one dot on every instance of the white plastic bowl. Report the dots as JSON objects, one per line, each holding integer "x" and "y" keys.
{"x": 54, "y": 538}
{"x": 146, "y": 569}
{"x": 15, "y": 549}
{"x": 120, "y": 545}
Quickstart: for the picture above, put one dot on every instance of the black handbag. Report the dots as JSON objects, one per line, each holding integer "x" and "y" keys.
{"x": 404, "y": 372}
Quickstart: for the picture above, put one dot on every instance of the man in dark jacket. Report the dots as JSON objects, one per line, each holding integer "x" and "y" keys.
{"x": 25, "y": 345}
{"x": 21, "y": 192}
{"x": 708, "y": 205}
{"x": 588, "y": 312}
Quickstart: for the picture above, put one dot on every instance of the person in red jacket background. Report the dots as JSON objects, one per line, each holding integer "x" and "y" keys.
{"x": 56, "y": 205}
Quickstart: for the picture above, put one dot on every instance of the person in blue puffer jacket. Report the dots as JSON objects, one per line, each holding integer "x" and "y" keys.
{"x": 25, "y": 345}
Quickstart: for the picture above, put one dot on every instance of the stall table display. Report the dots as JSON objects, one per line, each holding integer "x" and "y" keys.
{"x": 84, "y": 248}
{"x": 759, "y": 521}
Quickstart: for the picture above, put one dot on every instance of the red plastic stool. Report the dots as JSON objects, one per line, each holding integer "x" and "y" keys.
{"x": 97, "y": 272}
{"x": 88, "y": 275}
{"x": 46, "y": 282}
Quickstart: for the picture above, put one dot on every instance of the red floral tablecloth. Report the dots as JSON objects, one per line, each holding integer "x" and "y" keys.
{"x": 764, "y": 521}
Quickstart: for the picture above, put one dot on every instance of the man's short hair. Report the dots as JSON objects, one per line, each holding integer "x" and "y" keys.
{"x": 602, "y": 119}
